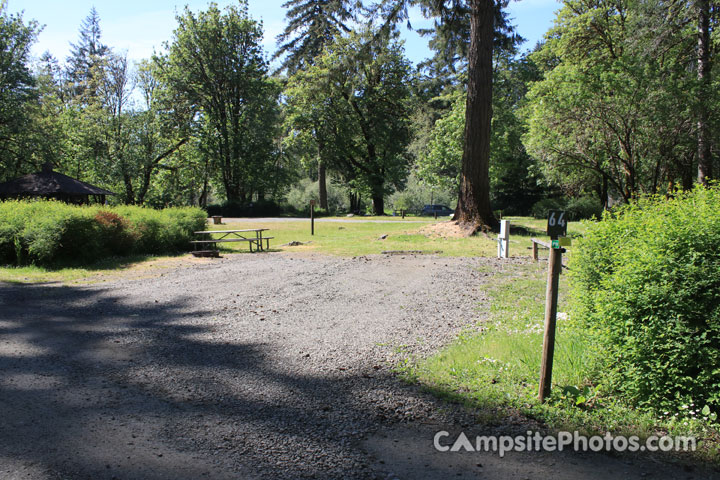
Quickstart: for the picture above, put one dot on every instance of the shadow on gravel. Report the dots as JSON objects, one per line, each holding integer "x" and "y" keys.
{"x": 95, "y": 386}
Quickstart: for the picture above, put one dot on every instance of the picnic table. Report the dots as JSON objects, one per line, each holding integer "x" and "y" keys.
{"x": 253, "y": 237}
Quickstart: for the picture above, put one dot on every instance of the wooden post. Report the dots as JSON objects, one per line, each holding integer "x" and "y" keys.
{"x": 312, "y": 217}
{"x": 551, "y": 299}
{"x": 535, "y": 251}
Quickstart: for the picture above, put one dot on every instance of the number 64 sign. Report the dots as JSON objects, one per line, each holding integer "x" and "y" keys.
{"x": 557, "y": 224}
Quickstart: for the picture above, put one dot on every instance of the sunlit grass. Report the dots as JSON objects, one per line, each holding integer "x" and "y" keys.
{"x": 94, "y": 272}
{"x": 501, "y": 365}
{"x": 354, "y": 237}
{"x": 496, "y": 370}
{"x": 360, "y": 238}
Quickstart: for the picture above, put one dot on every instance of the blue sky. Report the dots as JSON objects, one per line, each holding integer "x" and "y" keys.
{"x": 139, "y": 26}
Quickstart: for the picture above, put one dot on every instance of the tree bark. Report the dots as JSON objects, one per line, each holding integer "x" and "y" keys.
{"x": 378, "y": 198}
{"x": 703, "y": 60}
{"x": 473, "y": 208}
{"x": 322, "y": 185}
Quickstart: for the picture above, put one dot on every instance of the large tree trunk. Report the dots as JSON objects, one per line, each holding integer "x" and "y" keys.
{"x": 378, "y": 198}
{"x": 703, "y": 52}
{"x": 473, "y": 207}
{"x": 322, "y": 185}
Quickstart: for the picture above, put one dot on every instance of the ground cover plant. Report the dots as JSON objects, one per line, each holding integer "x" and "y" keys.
{"x": 637, "y": 341}
{"x": 354, "y": 236}
{"x": 494, "y": 367}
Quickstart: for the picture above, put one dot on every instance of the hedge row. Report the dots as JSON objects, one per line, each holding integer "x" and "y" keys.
{"x": 47, "y": 232}
{"x": 647, "y": 284}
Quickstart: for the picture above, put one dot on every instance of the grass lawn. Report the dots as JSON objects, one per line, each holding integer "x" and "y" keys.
{"x": 100, "y": 271}
{"x": 496, "y": 371}
{"x": 356, "y": 236}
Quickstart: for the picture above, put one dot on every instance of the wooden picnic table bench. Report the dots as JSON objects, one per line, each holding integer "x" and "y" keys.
{"x": 243, "y": 235}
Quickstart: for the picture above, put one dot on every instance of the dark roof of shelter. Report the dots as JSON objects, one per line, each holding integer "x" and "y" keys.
{"x": 48, "y": 182}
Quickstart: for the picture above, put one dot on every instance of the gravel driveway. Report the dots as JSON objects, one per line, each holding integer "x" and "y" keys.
{"x": 251, "y": 366}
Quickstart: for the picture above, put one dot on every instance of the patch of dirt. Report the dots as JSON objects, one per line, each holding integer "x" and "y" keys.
{"x": 145, "y": 269}
{"x": 450, "y": 229}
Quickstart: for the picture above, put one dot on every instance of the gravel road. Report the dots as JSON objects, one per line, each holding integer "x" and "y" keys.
{"x": 253, "y": 366}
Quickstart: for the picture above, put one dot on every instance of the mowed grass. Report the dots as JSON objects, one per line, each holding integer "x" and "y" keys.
{"x": 495, "y": 369}
{"x": 96, "y": 271}
{"x": 353, "y": 237}
{"x": 500, "y": 365}
{"x": 363, "y": 237}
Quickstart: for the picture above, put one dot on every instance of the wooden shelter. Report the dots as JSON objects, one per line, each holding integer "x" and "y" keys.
{"x": 50, "y": 184}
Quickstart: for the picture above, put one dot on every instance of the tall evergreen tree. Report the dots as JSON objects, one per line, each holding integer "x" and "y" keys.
{"x": 703, "y": 104}
{"x": 86, "y": 57}
{"x": 312, "y": 24}
{"x": 485, "y": 19}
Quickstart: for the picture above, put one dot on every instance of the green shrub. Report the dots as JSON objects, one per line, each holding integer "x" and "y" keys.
{"x": 541, "y": 208}
{"x": 416, "y": 195}
{"x": 579, "y": 208}
{"x": 47, "y": 232}
{"x": 299, "y": 196}
{"x": 583, "y": 208}
{"x": 260, "y": 208}
{"x": 115, "y": 233}
{"x": 162, "y": 231}
{"x": 647, "y": 291}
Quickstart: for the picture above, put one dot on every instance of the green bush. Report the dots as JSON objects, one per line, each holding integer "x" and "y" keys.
{"x": 647, "y": 291}
{"x": 115, "y": 232}
{"x": 260, "y": 208}
{"x": 583, "y": 208}
{"x": 541, "y": 208}
{"x": 299, "y": 196}
{"x": 416, "y": 195}
{"x": 579, "y": 208}
{"x": 47, "y": 232}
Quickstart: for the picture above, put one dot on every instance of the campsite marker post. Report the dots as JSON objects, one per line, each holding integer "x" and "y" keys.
{"x": 556, "y": 228}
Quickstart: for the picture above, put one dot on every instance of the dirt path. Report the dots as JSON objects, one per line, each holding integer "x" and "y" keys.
{"x": 251, "y": 366}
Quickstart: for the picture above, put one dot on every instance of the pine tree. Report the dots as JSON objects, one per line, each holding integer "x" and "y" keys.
{"x": 312, "y": 24}
{"x": 86, "y": 58}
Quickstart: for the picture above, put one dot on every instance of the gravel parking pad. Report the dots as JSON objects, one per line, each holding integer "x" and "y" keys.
{"x": 250, "y": 366}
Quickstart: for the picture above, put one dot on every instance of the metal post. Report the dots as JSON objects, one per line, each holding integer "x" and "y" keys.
{"x": 554, "y": 267}
{"x": 312, "y": 217}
